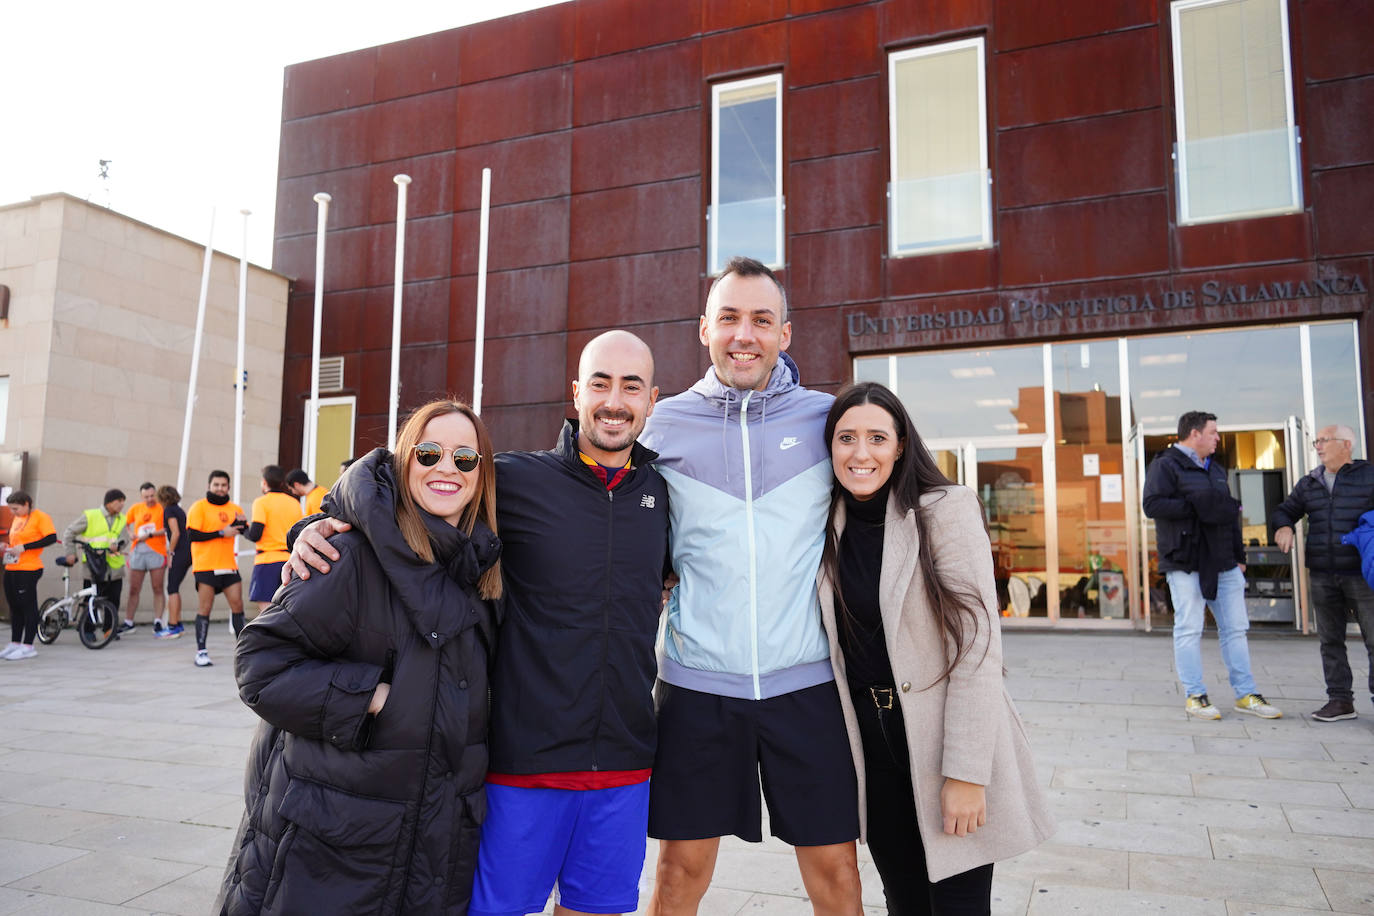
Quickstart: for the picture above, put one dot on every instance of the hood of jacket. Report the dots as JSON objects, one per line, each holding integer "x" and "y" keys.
{"x": 784, "y": 378}
{"x": 366, "y": 496}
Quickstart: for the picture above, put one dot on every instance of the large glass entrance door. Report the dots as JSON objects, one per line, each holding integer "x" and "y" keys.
{"x": 1264, "y": 462}
{"x": 1008, "y": 473}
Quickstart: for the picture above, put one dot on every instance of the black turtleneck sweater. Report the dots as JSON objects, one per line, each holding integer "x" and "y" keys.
{"x": 859, "y": 561}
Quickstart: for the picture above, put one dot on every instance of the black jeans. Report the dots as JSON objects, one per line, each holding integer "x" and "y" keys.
{"x": 1332, "y": 597}
{"x": 110, "y": 588}
{"x": 893, "y": 838}
{"x": 21, "y": 593}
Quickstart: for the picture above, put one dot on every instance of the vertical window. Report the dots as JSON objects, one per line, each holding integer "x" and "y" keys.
{"x": 939, "y": 197}
{"x": 745, "y": 217}
{"x": 1233, "y": 105}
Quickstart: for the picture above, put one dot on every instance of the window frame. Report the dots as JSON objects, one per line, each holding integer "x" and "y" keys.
{"x": 713, "y": 220}
{"x": 978, "y": 43}
{"x": 1176, "y": 9}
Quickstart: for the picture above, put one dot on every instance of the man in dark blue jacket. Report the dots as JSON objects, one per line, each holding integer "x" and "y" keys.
{"x": 584, "y": 533}
{"x": 1197, "y": 526}
{"x": 1333, "y": 497}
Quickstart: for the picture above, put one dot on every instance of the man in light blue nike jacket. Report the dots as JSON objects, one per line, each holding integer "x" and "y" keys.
{"x": 747, "y": 686}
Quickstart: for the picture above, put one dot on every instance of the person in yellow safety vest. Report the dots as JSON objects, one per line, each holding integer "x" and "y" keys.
{"x": 102, "y": 528}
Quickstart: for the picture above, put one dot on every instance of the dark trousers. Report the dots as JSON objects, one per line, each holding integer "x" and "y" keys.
{"x": 21, "y": 592}
{"x": 1332, "y": 598}
{"x": 893, "y": 838}
{"x": 110, "y": 588}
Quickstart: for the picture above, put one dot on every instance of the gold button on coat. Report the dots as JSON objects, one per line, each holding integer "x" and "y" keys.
{"x": 906, "y": 686}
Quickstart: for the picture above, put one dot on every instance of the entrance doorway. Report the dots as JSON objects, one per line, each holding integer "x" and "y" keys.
{"x": 1264, "y": 462}
{"x": 1008, "y": 473}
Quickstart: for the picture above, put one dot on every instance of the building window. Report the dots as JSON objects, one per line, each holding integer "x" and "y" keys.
{"x": 745, "y": 216}
{"x": 1237, "y": 151}
{"x": 939, "y": 198}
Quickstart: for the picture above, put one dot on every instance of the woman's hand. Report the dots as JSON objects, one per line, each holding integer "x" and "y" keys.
{"x": 964, "y": 806}
{"x": 378, "y": 699}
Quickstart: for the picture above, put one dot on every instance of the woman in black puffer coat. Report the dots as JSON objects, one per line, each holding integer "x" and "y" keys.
{"x": 364, "y": 785}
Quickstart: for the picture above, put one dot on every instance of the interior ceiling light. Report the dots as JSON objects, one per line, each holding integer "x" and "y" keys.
{"x": 973, "y": 372}
{"x": 1162, "y": 393}
{"x": 1164, "y": 359}
{"x": 993, "y": 402}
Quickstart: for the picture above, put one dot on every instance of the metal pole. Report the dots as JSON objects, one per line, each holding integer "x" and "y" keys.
{"x": 239, "y": 374}
{"x": 313, "y": 414}
{"x": 480, "y": 342}
{"x": 401, "y": 182}
{"x": 195, "y": 354}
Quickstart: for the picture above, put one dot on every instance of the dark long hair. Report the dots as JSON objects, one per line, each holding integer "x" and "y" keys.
{"x": 915, "y": 472}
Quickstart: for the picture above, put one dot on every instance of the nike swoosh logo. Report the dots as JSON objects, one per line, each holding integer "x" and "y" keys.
{"x": 788, "y": 443}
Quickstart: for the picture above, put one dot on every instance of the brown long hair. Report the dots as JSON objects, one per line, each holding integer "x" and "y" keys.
{"x": 914, "y": 473}
{"x": 482, "y": 505}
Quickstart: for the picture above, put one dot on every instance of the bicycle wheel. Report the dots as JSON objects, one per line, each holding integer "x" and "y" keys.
{"x": 96, "y": 623}
{"x": 49, "y": 621}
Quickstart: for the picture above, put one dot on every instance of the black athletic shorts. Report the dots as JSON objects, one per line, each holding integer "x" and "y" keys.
{"x": 177, "y": 573}
{"x": 712, "y": 751}
{"x": 218, "y": 581}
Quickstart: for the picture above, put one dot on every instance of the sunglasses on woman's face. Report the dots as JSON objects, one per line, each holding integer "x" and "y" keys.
{"x": 431, "y": 453}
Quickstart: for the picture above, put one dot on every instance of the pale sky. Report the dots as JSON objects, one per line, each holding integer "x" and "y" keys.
{"x": 183, "y": 98}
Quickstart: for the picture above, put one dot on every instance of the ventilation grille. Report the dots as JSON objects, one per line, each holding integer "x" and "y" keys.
{"x": 331, "y": 373}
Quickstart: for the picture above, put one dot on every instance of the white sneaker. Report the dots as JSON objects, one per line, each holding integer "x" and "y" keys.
{"x": 203, "y": 658}
{"x": 22, "y": 652}
{"x": 8, "y": 651}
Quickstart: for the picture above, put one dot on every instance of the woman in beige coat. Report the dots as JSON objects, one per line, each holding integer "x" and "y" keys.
{"x": 946, "y": 781}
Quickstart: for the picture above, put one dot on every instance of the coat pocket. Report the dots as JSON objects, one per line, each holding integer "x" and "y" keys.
{"x": 338, "y": 852}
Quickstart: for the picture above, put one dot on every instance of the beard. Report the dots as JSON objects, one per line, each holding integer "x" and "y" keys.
{"x": 612, "y": 442}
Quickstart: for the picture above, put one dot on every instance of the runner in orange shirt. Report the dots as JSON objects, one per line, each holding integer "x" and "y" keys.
{"x": 311, "y": 494}
{"x": 273, "y": 515}
{"x": 31, "y": 531}
{"x": 149, "y": 555}
{"x": 213, "y": 524}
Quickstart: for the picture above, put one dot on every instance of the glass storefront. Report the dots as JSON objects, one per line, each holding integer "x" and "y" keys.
{"x": 1055, "y": 438}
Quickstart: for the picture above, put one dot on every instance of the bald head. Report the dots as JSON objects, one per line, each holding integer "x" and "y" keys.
{"x": 616, "y": 346}
{"x": 614, "y": 395}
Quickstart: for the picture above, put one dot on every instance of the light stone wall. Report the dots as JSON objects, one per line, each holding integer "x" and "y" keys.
{"x": 103, "y": 314}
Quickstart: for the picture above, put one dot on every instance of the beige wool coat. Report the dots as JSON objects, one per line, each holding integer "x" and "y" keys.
{"x": 963, "y": 726}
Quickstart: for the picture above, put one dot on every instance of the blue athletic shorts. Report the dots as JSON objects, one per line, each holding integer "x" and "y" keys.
{"x": 266, "y": 581}
{"x": 590, "y": 842}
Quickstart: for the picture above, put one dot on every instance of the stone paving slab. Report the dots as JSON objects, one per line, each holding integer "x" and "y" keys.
{"x": 125, "y": 780}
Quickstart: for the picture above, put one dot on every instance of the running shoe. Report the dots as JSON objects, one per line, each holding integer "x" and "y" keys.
{"x": 1199, "y": 707}
{"x": 172, "y": 632}
{"x": 126, "y": 627}
{"x": 1256, "y": 705}
{"x": 22, "y": 652}
{"x": 8, "y": 651}
{"x": 203, "y": 659}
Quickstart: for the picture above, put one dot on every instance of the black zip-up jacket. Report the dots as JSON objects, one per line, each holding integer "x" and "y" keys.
{"x": 574, "y": 674}
{"x": 346, "y": 812}
{"x": 1330, "y": 514}
{"x": 1197, "y": 521}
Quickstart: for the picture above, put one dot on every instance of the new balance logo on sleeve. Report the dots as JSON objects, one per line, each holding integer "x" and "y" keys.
{"x": 647, "y": 501}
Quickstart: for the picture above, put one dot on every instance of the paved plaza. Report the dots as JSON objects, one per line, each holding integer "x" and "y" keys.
{"x": 121, "y": 775}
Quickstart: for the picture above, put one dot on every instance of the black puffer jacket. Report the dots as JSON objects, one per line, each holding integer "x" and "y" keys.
{"x": 573, "y": 682}
{"x": 1197, "y": 521}
{"x": 1330, "y": 514}
{"x": 347, "y": 813}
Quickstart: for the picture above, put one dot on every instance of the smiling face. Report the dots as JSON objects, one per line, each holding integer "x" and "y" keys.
{"x": 864, "y": 449}
{"x": 744, "y": 329}
{"x": 442, "y": 490}
{"x": 614, "y": 395}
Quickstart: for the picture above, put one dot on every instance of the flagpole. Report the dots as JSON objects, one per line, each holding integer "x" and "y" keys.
{"x": 195, "y": 354}
{"x": 313, "y": 414}
{"x": 401, "y": 182}
{"x": 480, "y": 343}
